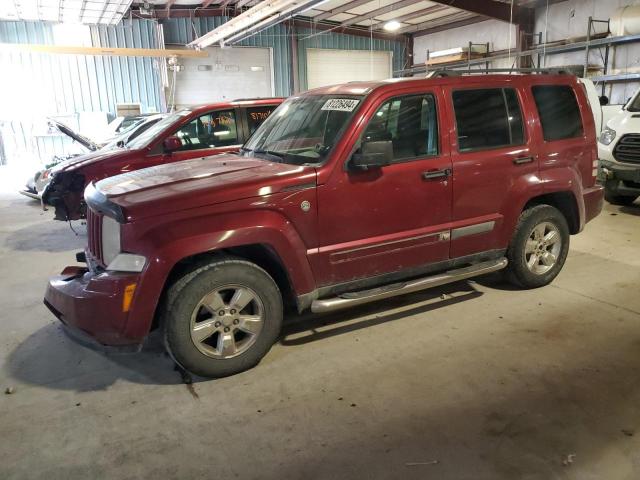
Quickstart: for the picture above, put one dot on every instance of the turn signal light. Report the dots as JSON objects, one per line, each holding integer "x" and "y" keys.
{"x": 128, "y": 297}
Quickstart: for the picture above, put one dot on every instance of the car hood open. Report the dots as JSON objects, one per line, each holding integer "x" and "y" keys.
{"x": 198, "y": 182}
{"x": 81, "y": 139}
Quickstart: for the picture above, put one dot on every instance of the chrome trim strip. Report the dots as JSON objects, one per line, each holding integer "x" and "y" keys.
{"x": 441, "y": 236}
{"x": 483, "y": 227}
{"x": 301, "y": 186}
{"x": 337, "y": 303}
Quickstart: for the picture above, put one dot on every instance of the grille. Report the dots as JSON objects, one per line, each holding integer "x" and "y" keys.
{"x": 628, "y": 149}
{"x": 94, "y": 231}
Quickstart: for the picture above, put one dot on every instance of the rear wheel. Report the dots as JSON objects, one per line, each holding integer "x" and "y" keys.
{"x": 538, "y": 248}
{"x": 222, "y": 318}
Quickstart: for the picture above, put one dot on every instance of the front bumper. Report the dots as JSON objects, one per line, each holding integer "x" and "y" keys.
{"x": 618, "y": 178}
{"x": 91, "y": 304}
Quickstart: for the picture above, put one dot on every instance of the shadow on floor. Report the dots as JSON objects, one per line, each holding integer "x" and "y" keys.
{"x": 50, "y": 236}
{"x": 50, "y": 358}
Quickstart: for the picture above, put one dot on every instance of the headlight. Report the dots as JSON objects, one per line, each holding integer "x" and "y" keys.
{"x": 127, "y": 262}
{"x": 607, "y": 136}
{"x": 110, "y": 239}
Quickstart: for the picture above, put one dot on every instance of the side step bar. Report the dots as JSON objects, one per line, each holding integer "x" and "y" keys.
{"x": 359, "y": 298}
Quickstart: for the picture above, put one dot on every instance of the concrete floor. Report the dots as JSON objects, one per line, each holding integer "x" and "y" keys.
{"x": 475, "y": 381}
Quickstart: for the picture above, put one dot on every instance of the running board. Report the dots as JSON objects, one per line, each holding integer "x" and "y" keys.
{"x": 352, "y": 299}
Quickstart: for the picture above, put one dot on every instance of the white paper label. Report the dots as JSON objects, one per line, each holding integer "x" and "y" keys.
{"x": 340, "y": 104}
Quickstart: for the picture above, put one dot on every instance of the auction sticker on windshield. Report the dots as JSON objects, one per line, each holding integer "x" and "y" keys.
{"x": 340, "y": 104}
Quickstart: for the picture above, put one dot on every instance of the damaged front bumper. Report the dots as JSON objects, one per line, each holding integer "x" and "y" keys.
{"x": 65, "y": 193}
{"x": 94, "y": 306}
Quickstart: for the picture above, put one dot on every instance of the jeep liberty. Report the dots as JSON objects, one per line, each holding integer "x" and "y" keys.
{"x": 345, "y": 195}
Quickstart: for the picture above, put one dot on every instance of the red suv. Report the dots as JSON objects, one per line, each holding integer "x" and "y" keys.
{"x": 345, "y": 195}
{"x": 185, "y": 134}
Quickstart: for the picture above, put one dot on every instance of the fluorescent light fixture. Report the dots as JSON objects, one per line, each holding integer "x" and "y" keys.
{"x": 392, "y": 25}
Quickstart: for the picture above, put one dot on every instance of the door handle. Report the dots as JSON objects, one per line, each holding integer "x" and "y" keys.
{"x": 521, "y": 160}
{"x": 433, "y": 174}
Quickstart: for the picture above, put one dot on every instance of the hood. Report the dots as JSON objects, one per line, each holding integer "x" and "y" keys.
{"x": 89, "y": 159}
{"x": 625, "y": 122}
{"x": 81, "y": 139}
{"x": 203, "y": 181}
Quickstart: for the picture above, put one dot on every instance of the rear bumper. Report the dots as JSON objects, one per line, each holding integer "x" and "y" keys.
{"x": 91, "y": 306}
{"x": 619, "y": 179}
{"x": 593, "y": 202}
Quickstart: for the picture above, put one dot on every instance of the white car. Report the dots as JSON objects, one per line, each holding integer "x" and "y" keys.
{"x": 619, "y": 154}
{"x": 36, "y": 184}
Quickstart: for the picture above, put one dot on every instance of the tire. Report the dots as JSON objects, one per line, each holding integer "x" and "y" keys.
{"x": 199, "y": 338}
{"x": 621, "y": 200}
{"x": 525, "y": 270}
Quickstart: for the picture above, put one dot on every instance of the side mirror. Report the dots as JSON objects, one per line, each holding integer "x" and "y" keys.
{"x": 171, "y": 144}
{"x": 373, "y": 155}
{"x": 120, "y": 144}
{"x": 604, "y": 100}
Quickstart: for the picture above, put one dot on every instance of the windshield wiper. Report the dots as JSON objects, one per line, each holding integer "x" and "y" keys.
{"x": 270, "y": 153}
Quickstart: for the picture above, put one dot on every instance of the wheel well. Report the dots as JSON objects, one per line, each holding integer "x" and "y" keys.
{"x": 260, "y": 254}
{"x": 563, "y": 201}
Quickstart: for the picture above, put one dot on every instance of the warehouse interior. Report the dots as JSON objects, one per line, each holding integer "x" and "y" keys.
{"x": 472, "y": 378}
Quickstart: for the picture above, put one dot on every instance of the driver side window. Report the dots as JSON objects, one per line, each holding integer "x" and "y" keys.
{"x": 212, "y": 130}
{"x": 409, "y": 123}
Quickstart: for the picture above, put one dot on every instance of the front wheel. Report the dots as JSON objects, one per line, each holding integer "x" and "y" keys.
{"x": 222, "y": 318}
{"x": 538, "y": 248}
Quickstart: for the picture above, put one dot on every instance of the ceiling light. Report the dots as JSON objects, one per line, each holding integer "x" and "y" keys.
{"x": 392, "y": 26}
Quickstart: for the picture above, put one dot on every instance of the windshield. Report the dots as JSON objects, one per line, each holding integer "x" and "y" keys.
{"x": 303, "y": 130}
{"x": 144, "y": 139}
{"x": 131, "y": 133}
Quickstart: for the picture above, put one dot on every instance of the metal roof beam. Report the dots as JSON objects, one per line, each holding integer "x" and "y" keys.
{"x": 409, "y": 16}
{"x": 340, "y": 9}
{"x": 443, "y": 23}
{"x": 488, "y": 8}
{"x": 378, "y": 11}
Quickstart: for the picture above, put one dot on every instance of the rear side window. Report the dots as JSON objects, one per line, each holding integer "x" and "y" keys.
{"x": 559, "y": 112}
{"x": 257, "y": 115}
{"x": 487, "y": 118}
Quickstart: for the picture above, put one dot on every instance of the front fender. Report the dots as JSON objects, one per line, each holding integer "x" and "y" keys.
{"x": 167, "y": 243}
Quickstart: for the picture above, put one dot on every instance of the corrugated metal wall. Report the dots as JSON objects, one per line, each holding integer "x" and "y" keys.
{"x": 66, "y": 85}
{"x": 69, "y": 84}
{"x": 308, "y": 38}
{"x": 183, "y": 30}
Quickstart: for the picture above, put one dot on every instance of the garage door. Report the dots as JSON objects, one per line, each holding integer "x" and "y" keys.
{"x": 226, "y": 74}
{"x": 328, "y": 66}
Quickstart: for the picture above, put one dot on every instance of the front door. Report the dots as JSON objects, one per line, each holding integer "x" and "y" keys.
{"x": 209, "y": 134}
{"x": 393, "y": 218}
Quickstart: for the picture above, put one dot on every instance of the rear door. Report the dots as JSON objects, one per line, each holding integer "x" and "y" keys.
{"x": 493, "y": 156}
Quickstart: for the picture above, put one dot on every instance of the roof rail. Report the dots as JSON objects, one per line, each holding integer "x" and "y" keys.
{"x": 542, "y": 71}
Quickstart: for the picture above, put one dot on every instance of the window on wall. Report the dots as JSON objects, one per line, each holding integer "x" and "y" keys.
{"x": 410, "y": 123}
{"x": 487, "y": 118}
{"x": 215, "y": 129}
{"x": 559, "y": 112}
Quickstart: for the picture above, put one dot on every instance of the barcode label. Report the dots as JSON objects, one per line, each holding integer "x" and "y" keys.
{"x": 340, "y": 104}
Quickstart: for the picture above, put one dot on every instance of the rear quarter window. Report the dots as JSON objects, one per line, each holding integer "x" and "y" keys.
{"x": 559, "y": 112}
